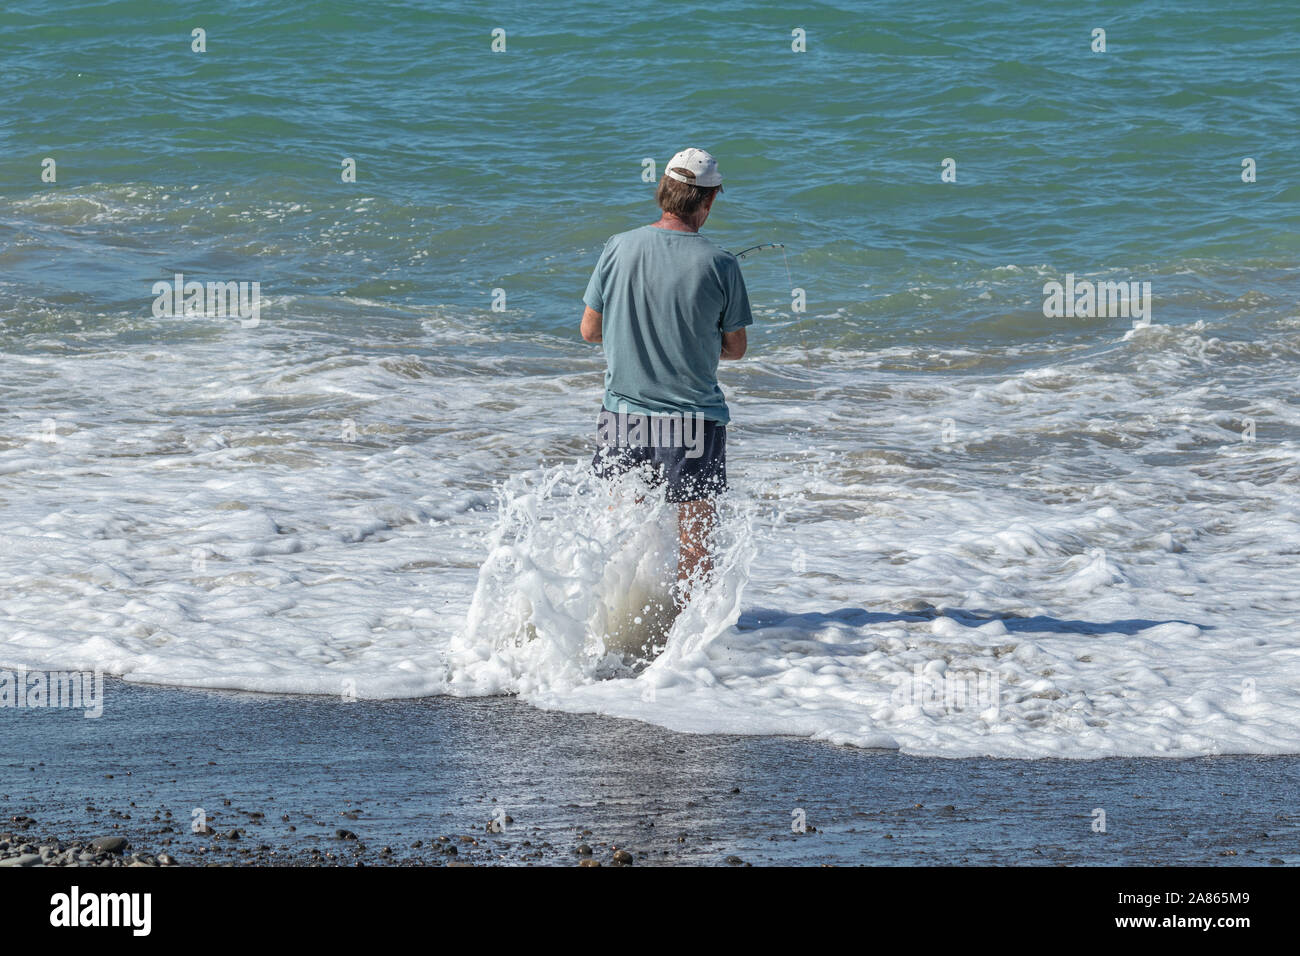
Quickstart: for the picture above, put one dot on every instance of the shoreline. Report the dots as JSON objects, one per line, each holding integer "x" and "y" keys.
{"x": 312, "y": 782}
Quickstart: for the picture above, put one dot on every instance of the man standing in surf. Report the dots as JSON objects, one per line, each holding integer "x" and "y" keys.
{"x": 667, "y": 304}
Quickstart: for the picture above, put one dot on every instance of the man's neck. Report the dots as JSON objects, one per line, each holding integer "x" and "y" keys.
{"x": 675, "y": 223}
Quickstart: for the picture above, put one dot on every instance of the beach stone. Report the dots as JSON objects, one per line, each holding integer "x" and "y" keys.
{"x": 583, "y": 850}
{"x": 112, "y": 844}
{"x": 735, "y": 860}
{"x": 345, "y": 835}
{"x": 27, "y": 859}
{"x": 622, "y": 858}
{"x": 588, "y": 861}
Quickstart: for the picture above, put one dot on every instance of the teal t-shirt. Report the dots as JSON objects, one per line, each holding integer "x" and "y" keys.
{"x": 666, "y": 298}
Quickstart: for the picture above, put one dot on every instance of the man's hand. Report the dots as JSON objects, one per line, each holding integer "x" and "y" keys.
{"x": 591, "y": 326}
{"x": 734, "y": 344}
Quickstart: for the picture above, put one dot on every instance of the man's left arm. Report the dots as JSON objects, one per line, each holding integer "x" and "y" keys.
{"x": 591, "y": 325}
{"x": 594, "y": 298}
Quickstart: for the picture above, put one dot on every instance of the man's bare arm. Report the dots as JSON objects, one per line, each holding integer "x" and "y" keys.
{"x": 591, "y": 325}
{"x": 734, "y": 344}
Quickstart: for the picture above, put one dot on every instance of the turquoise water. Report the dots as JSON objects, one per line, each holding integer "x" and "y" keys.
{"x": 479, "y": 170}
{"x": 930, "y": 474}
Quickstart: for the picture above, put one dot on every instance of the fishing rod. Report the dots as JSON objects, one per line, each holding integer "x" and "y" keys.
{"x": 762, "y": 245}
{"x": 769, "y": 245}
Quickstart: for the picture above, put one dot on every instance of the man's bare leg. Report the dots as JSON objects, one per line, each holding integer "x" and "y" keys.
{"x": 695, "y": 521}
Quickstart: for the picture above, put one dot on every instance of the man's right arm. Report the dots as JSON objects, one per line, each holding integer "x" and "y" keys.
{"x": 734, "y": 344}
{"x": 735, "y": 315}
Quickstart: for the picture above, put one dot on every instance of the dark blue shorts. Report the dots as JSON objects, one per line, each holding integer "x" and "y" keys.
{"x": 688, "y": 453}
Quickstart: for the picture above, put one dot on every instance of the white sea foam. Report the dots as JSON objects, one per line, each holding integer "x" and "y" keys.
{"x": 577, "y": 587}
{"x": 1091, "y": 534}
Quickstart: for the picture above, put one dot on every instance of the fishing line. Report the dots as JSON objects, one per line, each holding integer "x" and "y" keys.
{"x": 770, "y": 245}
{"x": 789, "y": 278}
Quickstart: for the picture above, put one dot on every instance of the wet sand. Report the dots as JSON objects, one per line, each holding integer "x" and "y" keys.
{"x": 315, "y": 781}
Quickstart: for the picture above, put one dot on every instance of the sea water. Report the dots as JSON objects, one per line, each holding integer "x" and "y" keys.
{"x": 961, "y": 522}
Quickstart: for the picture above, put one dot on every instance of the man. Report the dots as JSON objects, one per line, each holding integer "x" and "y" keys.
{"x": 667, "y": 304}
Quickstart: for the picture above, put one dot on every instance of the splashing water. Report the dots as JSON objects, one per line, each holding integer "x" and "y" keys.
{"x": 578, "y": 583}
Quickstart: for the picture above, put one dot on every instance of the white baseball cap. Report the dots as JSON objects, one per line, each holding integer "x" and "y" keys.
{"x": 703, "y": 165}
